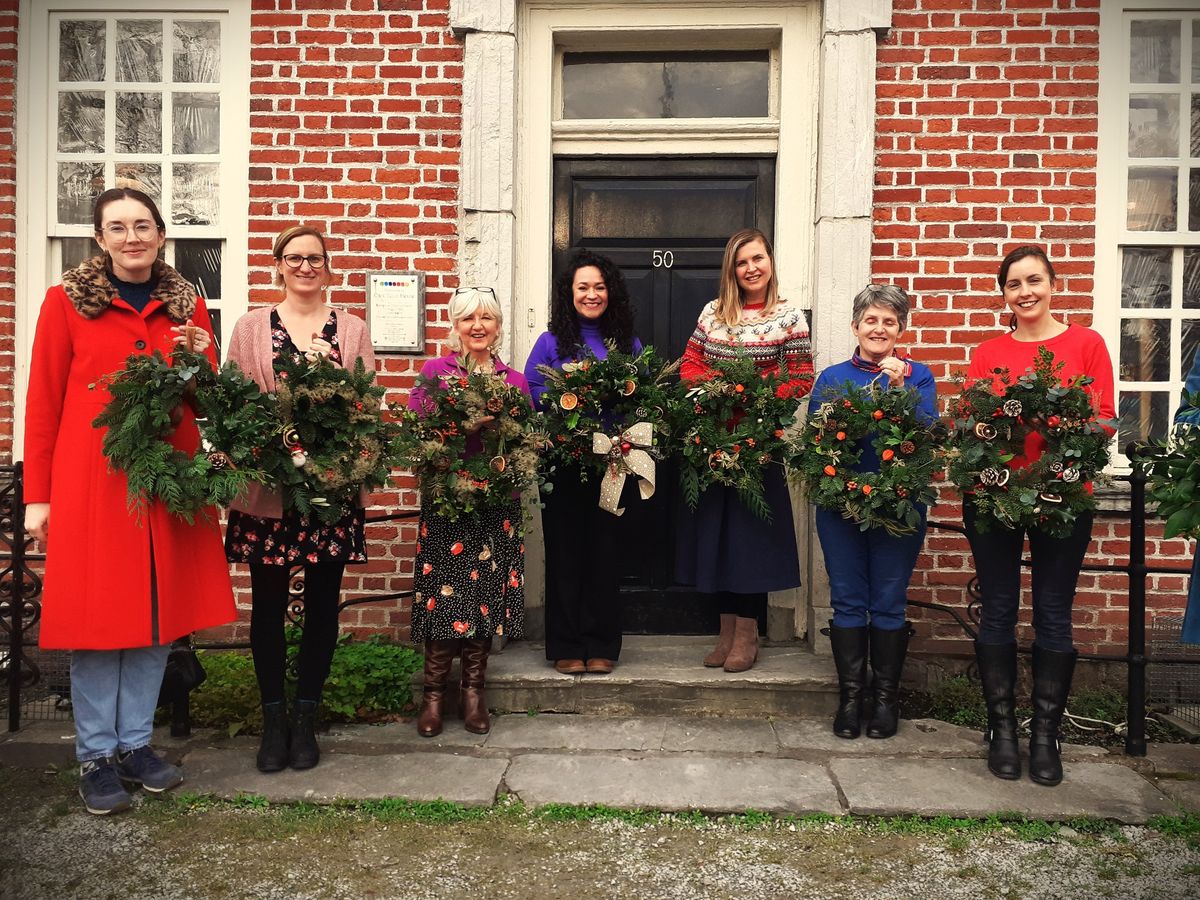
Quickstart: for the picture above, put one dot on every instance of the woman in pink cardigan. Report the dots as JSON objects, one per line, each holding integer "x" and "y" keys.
{"x": 271, "y": 541}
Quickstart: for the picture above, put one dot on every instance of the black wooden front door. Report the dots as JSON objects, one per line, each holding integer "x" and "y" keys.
{"x": 665, "y": 223}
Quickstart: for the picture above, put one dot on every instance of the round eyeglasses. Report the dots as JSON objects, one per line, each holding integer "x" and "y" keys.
{"x": 295, "y": 261}
{"x": 142, "y": 230}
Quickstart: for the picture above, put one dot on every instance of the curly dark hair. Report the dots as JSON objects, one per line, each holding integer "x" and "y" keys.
{"x": 617, "y": 322}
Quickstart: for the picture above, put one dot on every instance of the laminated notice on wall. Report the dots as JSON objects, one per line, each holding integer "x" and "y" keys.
{"x": 396, "y": 311}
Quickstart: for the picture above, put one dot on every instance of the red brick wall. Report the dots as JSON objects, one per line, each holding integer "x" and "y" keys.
{"x": 8, "y": 224}
{"x": 986, "y": 139}
{"x": 355, "y": 126}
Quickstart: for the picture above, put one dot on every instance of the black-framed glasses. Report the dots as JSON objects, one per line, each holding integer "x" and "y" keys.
{"x": 483, "y": 289}
{"x": 295, "y": 260}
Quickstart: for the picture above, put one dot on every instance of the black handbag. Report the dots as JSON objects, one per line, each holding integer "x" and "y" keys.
{"x": 184, "y": 672}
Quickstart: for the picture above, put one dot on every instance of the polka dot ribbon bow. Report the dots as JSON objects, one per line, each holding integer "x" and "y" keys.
{"x": 627, "y": 455}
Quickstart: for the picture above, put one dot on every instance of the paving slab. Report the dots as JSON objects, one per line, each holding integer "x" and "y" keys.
{"x": 964, "y": 787}
{"x": 711, "y": 735}
{"x": 558, "y": 732}
{"x": 674, "y": 783}
{"x": 1181, "y": 759}
{"x": 1183, "y": 791}
{"x": 915, "y": 737}
{"x": 394, "y": 737}
{"x": 468, "y": 780}
{"x": 38, "y": 744}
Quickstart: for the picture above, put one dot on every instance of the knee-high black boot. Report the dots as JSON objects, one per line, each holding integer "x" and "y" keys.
{"x": 998, "y": 672}
{"x": 1052, "y": 671}
{"x": 888, "y": 649}
{"x": 850, "y": 656}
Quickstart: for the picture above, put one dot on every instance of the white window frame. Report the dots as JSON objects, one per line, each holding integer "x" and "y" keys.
{"x": 37, "y": 256}
{"x": 1113, "y": 164}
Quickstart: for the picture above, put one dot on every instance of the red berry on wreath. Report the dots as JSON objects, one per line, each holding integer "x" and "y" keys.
{"x": 626, "y": 447}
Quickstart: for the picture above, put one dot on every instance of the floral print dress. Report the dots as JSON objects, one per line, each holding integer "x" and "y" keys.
{"x": 295, "y": 539}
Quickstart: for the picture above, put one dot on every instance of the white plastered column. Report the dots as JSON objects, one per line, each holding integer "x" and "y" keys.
{"x": 845, "y": 195}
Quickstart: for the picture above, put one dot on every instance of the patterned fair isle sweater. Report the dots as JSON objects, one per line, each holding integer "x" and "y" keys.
{"x": 776, "y": 342}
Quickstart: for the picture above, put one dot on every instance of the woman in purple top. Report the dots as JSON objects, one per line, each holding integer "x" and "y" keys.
{"x": 469, "y": 582}
{"x": 583, "y": 614}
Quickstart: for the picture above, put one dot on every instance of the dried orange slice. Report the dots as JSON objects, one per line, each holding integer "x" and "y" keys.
{"x": 568, "y": 401}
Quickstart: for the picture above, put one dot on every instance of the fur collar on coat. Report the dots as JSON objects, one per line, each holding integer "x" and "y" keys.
{"x": 91, "y": 293}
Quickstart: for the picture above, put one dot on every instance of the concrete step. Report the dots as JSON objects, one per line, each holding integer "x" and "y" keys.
{"x": 663, "y": 675}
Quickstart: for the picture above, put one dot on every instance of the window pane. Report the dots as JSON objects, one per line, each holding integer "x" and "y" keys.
{"x": 81, "y": 50}
{"x": 194, "y": 190}
{"x": 1154, "y": 125}
{"x": 139, "y": 50}
{"x": 200, "y": 263}
{"x": 197, "y": 123}
{"x": 1145, "y": 349}
{"x": 1146, "y": 278}
{"x": 665, "y": 85}
{"x": 81, "y": 121}
{"x": 196, "y": 51}
{"x": 1143, "y": 416}
{"x": 1153, "y": 203}
{"x": 1191, "y": 277}
{"x": 79, "y": 184}
{"x": 139, "y": 123}
{"x": 75, "y": 250}
{"x": 1154, "y": 51}
{"x": 1189, "y": 339}
{"x": 1195, "y": 51}
{"x": 145, "y": 177}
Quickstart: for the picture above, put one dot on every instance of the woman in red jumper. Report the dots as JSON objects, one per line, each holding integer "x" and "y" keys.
{"x": 1026, "y": 280}
{"x": 119, "y": 589}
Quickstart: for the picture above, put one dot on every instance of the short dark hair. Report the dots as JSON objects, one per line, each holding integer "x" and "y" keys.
{"x": 617, "y": 322}
{"x": 1020, "y": 253}
{"x": 112, "y": 195}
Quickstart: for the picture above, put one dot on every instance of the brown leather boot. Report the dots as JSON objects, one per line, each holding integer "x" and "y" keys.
{"x": 716, "y": 659}
{"x": 744, "y": 651}
{"x": 439, "y": 657}
{"x": 471, "y": 705}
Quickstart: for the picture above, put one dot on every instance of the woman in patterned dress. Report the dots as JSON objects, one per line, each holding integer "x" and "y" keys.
{"x": 271, "y": 541}
{"x": 470, "y": 572}
{"x": 725, "y": 550}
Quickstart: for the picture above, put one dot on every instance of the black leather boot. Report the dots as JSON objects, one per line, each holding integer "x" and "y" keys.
{"x": 274, "y": 749}
{"x": 1052, "y": 671}
{"x": 998, "y": 672}
{"x": 305, "y": 753}
{"x": 850, "y": 656}
{"x": 888, "y": 649}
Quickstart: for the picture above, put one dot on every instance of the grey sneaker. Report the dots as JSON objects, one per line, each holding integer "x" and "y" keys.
{"x": 100, "y": 788}
{"x": 143, "y": 766}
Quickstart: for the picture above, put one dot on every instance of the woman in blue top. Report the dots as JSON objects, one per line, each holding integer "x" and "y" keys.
{"x": 869, "y": 570}
{"x": 583, "y": 614}
{"x": 1190, "y": 415}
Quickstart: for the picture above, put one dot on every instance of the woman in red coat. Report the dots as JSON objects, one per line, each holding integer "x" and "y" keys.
{"x": 117, "y": 590}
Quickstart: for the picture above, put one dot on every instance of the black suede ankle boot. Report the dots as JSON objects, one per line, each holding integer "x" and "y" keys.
{"x": 274, "y": 749}
{"x": 304, "y": 753}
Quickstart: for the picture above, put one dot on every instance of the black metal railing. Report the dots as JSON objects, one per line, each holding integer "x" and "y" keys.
{"x": 20, "y": 607}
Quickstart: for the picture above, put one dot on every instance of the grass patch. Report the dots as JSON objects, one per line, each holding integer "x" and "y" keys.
{"x": 1185, "y": 826}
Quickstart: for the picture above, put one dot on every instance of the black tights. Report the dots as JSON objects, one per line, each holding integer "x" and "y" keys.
{"x": 745, "y": 606}
{"x": 269, "y": 591}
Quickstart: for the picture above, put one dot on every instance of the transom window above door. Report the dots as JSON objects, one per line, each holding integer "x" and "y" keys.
{"x": 666, "y": 84}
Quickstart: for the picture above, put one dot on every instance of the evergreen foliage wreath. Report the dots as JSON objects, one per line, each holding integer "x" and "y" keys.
{"x": 1174, "y": 474}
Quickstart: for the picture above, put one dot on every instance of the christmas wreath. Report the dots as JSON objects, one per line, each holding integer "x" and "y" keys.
{"x": 612, "y": 416}
{"x": 990, "y": 429}
{"x": 142, "y": 414}
{"x": 731, "y": 427}
{"x": 1174, "y": 473}
{"x": 335, "y": 433}
{"x": 907, "y": 446}
{"x": 433, "y": 442}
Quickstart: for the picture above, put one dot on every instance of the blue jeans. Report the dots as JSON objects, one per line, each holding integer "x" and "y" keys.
{"x": 114, "y": 694}
{"x": 868, "y": 571}
{"x": 1055, "y": 562}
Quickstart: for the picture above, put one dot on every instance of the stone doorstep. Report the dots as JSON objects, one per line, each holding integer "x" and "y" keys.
{"x": 663, "y": 675}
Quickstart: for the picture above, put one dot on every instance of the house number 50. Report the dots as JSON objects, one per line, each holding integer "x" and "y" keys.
{"x": 663, "y": 259}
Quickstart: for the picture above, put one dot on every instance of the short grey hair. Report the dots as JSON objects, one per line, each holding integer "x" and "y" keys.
{"x": 464, "y": 303}
{"x": 887, "y": 296}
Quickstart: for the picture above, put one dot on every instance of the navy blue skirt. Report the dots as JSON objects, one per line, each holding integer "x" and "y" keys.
{"x": 723, "y": 546}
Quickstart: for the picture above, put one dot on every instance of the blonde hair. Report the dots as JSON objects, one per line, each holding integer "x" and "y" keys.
{"x": 288, "y": 235}
{"x": 464, "y": 303}
{"x": 729, "y": 299}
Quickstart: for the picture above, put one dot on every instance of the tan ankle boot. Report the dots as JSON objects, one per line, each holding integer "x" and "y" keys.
{"x": 744, "y": 651}
{"x": 716, "y": 659}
